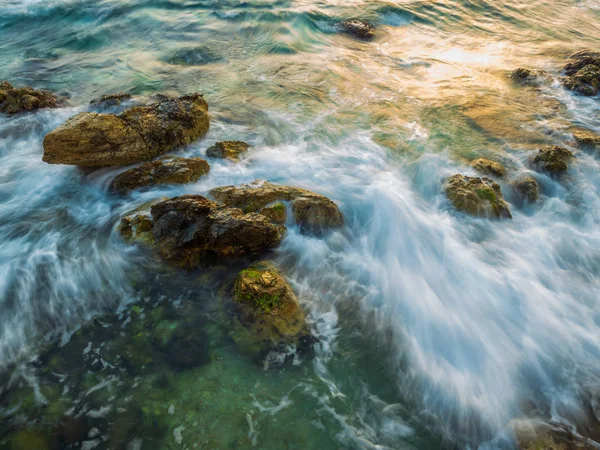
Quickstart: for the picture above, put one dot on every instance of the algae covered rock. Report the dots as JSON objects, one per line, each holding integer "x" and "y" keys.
{"x": 312, "y": 212}
{"x": 553, "y": 159}
{"x": 526, "y": 188}
{"x": 358, "y": 28}
{"x": 111, "y": 99}
{"x": 167, "y": 170}
{"x": 488, "y": 167}
{"x": 15, "y": 100}
{"x": 190, "y": 229}
{"x": 528, "y": 77}
{"x": 583, "y": 73}
{"x": 268, "y": 307}
{"x": 139, "y": 134}
{"x": 479, "y": 197}
{"x": 227, "y": 149}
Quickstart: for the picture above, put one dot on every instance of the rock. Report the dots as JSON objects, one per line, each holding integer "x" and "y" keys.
{"x": 111, "y": 99}
{"x": 227, "y": 149}
{"x": 586, "y": 81}
{"x": 188, "y": 348}
{"x": 488, "y": 167}
{"x": 195, "y": 56}
{"x": 190, "y": 230}
{"x": 581, "y": 59}
{"x": 528, "y": 77}
{"x": 268, "y": 307}
{"x": 16, "y": 100}
{"x": 167, "y": 170}
{"x": 358, "y": 28}
{"x": 276, "y": 213}
{"x": 312, "y": 212}
{"x": 479, "y": 197}
{"x": 527, "y": 189}
{"x": 541, "y": 436}
{"x": 139, "y": 134}
{"x": 553, "y": 159}
{"x": 586, "y": 139}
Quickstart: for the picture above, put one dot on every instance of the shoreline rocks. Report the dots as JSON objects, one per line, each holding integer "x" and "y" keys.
{"x": 358, "y": 28}
{"x": 16, "y": 100}
{"x": 582, "y": 75}
{"x": 553, "y": 159}
{"x": 479, "y": 197}
{"x": 166, "y": 170}
{"x": 190, "y": 230}
{"x": 312, "y": 212}
{"x": 227, "y": 149}
{"x": 111, "y": 99}
{"x": 139, "y": 134}
{"x": 528, "y": 77}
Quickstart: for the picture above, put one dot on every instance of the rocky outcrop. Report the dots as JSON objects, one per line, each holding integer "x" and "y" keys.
{"x": 526, "y": 188}
{"x": 487, "y": 167}
{"x": 167, "y": 170}
{"x": 583, "y": 73}
{"x": 311, "y": 211}
{"x": 227, "y": 149}
{"x": 479, "y": 197}
{"x": 16, "y": 100}
{"x": 190, "y": 230}
{"x": 139, "y": 134}
{"x": 552, "y": 159}
{"x": 111, "y": 99}
{"x": 528, "y": 77}
{"x": 268, "y": 308}
{"x": 358, "y": 28}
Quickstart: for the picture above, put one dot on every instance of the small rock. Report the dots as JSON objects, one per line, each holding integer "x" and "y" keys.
{"x": 528, "y": 77}
{"x": 586, "y": 139}
{"x": 479, "y": 197}
{"x": 139, "y": 134}
{"x": 553, "y": 159}
{"x": 527, "y": 189}
{"x": 16, "y": 100}
{"x": 358, "y": 28}
{"x": 111, "y": 99}
{"x": 227, "y": 149}
{"x": 195, "y": 56}
{"x": 488, "y": 167}
{"x": 167, "y": 170}
{"x": 312, "y": 212}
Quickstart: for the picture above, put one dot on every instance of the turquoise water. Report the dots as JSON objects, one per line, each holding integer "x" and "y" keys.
{"x": 435, "y": 329}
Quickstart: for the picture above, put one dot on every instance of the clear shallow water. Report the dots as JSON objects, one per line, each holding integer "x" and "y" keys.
{"x": 435, "y": 327}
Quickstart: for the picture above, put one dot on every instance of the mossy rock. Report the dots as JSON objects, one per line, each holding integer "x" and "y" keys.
{"x": 526, "y": 188}
{"x": 480, "y": 197}
{"x": 553, "y": 159}
{"x": 488, "y": 167}
{"x": 227, "y": 149}
{"x": 276, "y": 213}
{"x": 16, "y": 100}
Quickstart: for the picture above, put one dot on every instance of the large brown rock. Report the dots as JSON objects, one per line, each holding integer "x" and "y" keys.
{"x": 191, "y": 229}
{"x": 479, "y": 197}
{"x": 553, "y": 159}
{"x": 167, "y": 170}
{"x": 139, "y": 134}
{"x": 269, "y": 310}
{"x": 583, "y": 73}
{"x": 15, "y": 100}
{"x": 313, "y": 212}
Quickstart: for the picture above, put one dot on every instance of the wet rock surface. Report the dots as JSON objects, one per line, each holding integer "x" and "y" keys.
{"x": 191, "y": 230}
{"x": 139, "y": 134}
{"x": 553, "y": 159}
{"x": 526, "y": 188}
{"x": 583, "y": 73}
{"x": 528, "y": 77}
{"x": 479, "y": 197}
{"x": 487, "y": 167}
{"x": 111, "y": 99}
{"x": 227, "y": 149}
{"x": 17, "y": 100}
{"x": 313, "y": 212}
{"x": 358, "y": 28}
{"x": 167, "y": 170}
{"x": 586, "y": 139}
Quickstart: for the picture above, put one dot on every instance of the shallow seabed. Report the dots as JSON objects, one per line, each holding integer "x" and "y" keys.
{"x": 435, "y": 329}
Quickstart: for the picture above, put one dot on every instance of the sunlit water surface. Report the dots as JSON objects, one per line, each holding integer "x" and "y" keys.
{"x": 436, "y": 329}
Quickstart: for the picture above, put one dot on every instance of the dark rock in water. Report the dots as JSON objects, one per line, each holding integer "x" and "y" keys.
{"x": 227, "y": 149}
{"x": 581, "y": 59}
{"x": 111, "y": 99}
{"x": 167, "y": 170}
{"x": 195, "y": 56}
{"x": 313, "y": 212}
{"x": 488, "y": 167}
{"x": 553, "y": 159}
{"x": 188, "y": 348}
{"x": 528, "y": 77}
{"x": 358, "y": 28}
{"x": 479, "y": 197}
{"x": 191, "y": 229}
{"x": 583, "y": 74}
{"x": 139, "y": 134}
{"x": 268, "y": 309}
{"x": 527, "y": 189}
{"x": 16, "y": 100}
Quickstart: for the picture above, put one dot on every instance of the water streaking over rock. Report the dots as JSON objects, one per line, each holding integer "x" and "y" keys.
{"x": 392, "y": 141}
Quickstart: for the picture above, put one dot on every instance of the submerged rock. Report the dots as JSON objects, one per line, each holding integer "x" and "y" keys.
{"x": 527, "y": 189}
{"x": 358, "y": 28}
{"x": 583, "y": 74}
{"x": 268, "y": 308}
{"x": 15, "y": 100}
{"x": 479, "y": 197}
{"x": 139, "y": 134}
{"x": 313, "y": 212}
{"x": 167, "y": 170}
{"x": 553, "y": 159}
{"x": 488, "y": 167}
{"x": 194, "y": 56}
{"x": 528, "y": 77}
{"x": 111, "y": 99}
{"x": 227, "y": 149}
{"x": 586, "y": 139}
{"x": 190, "y": 230}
